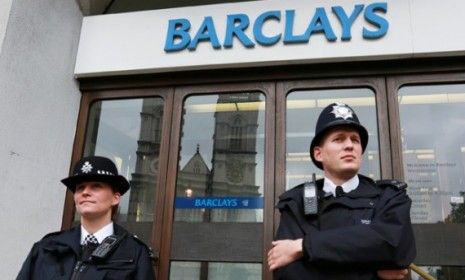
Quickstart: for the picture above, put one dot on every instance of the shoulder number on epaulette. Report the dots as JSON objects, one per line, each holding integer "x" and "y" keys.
{"x": 392, "y": 183}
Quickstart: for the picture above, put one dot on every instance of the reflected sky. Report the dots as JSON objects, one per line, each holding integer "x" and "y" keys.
{"x": 114, "y": 130}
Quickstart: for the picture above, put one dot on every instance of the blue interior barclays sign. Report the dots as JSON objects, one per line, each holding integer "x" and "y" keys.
{"x": 181, "y": 34}
{"x": 238, "y": 202}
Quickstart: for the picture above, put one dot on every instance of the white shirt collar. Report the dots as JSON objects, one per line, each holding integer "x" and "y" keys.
{"x": 100, "y": 234}
{"x": 348, "y": 186}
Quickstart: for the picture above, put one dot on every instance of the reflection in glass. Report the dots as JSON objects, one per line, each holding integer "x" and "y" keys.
{"x": 302, "y": 110}
{"x": 129, "y": 133}
{"x": 216, "y": 271}
{"x": 433, "y": 144}
{"x": 220, "y": 176}
{"x": 185, "y": 270}
{"x": 233, "y": 271}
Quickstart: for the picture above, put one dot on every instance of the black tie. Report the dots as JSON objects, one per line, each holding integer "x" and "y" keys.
{"x": 339, "y": 191}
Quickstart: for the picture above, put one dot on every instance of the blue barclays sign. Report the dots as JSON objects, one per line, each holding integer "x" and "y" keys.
{"x": 179, "y": 36}
{"x": 239, "y": 202}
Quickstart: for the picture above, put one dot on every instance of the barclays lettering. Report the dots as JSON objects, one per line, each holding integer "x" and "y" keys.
{"x": 215, "y": 203}
{"x": 179, "y": 37}
{"x": 238, "y": 202}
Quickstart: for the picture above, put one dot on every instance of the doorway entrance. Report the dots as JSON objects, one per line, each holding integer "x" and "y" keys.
{"x": 207, "y": 163}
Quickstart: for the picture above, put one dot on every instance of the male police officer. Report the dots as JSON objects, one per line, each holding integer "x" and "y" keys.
{"x": 76, "y": 253}
{"x": 359, "y": 230}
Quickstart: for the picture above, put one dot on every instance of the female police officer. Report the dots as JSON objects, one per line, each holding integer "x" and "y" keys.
{"x": 360, "y": 229}
{"x": 97, "y": 248}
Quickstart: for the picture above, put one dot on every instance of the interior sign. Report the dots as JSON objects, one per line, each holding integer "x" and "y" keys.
{"x": 238, "y": 202}
{"x": 181, "y": 34}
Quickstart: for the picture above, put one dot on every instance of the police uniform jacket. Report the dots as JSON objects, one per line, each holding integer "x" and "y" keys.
{"x": 352, "y": 236}
{"x": 58, "y": 256}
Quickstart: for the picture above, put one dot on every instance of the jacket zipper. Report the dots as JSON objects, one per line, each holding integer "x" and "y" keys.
{"x": 78, "y": 269}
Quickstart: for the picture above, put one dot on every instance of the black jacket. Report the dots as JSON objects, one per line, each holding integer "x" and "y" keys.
{"x": 353, "y": 235}
{"x": 56, "y": 256}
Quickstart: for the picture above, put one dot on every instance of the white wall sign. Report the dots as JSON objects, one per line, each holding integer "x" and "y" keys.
{"x": 269, "y": 32}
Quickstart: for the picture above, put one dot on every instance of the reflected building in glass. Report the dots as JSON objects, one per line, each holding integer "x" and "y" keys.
{"x": 221, "y": 158}
{"x": 129, "y": 133}
{"x": 233, "y": 163}
{"x": 234, "y": 157}
{"x": 142, "y": 195}
{"x": 193, "y": 180}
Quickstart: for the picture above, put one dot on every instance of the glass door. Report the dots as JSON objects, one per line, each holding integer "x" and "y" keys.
{"x": 220, "y": 185}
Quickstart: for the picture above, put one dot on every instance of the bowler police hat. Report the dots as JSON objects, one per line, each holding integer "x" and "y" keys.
{"x": 97, "y": 169}
{"x": 336, "y": 114}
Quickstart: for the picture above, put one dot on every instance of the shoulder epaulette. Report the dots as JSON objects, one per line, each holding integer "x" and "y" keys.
{"x": 151, "y": 253}
{"x": 392, "y": 183}
{"x": 52, "y": 234}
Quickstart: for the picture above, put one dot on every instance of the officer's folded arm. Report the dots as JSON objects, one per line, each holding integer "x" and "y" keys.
{"x": 287, "y": 251}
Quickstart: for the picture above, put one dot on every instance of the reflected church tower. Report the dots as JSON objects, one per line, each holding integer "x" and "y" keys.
{"x": 144, "y": 178}
{"x": 192, "y": 181}
{"x": 234, "y": 155}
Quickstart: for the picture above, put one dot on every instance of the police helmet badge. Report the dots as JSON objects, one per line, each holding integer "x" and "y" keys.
{"x": 341, "y": 110}
{"x": 86, "y": 167}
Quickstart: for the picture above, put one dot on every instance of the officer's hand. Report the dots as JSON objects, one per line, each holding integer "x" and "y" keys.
{"x": 392, "y": 274}
{"x": 284, "y": 252}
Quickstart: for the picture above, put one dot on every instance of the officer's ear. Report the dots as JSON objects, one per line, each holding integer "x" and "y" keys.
{"x": 116, "y": 198}
{"x": 317, "y": 153}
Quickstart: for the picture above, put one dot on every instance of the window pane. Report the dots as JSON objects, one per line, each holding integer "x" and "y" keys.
{"x": 215, "y": 271}
{"x": 220, "y": 176}
{"x": 233, "y": 271}
{"x": 185, "y": 270}
{"x": 302, "y": 110}
{"x": 129, "y": 133}
{"x": 220, "y": 179}
{"x": 433, "y": 144}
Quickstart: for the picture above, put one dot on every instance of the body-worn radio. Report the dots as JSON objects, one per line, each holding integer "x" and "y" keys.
{"x": 310, "y": 197}
{"x": 106, "y": 247}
